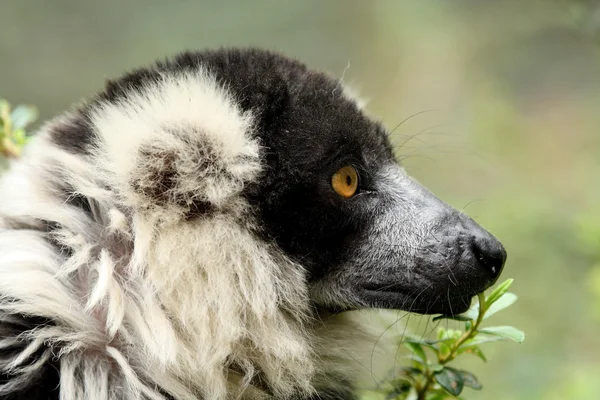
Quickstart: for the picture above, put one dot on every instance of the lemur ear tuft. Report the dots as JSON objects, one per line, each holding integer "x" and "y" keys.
{"x": 180, "y": 146}
{"x": 191, "y": 174}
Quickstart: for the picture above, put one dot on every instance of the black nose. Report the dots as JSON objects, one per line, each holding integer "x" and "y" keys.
{"x": 485, "y": 249}
{"x": 488, "y": 251}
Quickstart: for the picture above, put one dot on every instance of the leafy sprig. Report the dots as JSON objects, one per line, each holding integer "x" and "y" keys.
{"x": 430, "y": 376}
{"x": 13, "y": 136}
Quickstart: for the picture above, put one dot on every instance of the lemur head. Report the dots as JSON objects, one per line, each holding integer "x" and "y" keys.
{"x": 288, "y": 152}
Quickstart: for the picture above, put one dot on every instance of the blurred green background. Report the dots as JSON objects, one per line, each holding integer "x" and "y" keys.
{"x": 512, "y": 134}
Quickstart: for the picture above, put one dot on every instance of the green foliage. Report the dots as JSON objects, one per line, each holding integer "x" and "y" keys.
{"x": 13, "y": 136}
{"x": 430, "y": 376}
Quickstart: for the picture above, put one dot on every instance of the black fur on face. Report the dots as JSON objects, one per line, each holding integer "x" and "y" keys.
{"x": 392, "y": 245}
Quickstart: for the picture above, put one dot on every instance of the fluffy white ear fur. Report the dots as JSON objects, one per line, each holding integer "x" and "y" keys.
{"x": 183, "y": 133}
{"x": 145, "y": 296}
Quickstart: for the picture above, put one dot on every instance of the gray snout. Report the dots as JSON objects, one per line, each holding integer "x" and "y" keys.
{"x": 456, "y": 254}
{"x": 474, "y": 255}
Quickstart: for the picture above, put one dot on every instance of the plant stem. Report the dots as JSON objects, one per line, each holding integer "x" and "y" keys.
{"x": 443, "y": 360}
{"x": 469, "y": 334}
{"x": 421, "y": 393}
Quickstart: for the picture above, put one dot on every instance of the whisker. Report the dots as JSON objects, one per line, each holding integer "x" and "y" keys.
{"x": 409, "y": 118}
{"x": 379, "y": 338}
{"x": 449, "y": 302}
{"x": 426, "y": 131}
{"x": 462, "y": 211}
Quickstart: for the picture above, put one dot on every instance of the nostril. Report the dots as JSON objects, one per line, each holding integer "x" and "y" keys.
{"x": 490, "y": 253}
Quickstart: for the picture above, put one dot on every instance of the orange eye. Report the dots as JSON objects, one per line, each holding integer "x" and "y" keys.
{"x": 345, "y": 181}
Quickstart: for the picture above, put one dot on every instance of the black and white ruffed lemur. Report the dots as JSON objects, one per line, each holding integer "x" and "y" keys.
{"x": 197, "y": 229}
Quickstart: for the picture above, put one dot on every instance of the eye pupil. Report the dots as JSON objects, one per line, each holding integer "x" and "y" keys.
{"x": 348, "y": 180}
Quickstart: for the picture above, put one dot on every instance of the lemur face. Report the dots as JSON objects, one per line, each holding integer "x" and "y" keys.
{"x": 330, "y": 194}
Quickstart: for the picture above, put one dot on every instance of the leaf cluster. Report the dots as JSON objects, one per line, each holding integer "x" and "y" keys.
{"x": 13, "y": 136}
{"x": 430, "y": 376}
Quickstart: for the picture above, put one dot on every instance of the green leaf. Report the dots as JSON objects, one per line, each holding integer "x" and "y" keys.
{"x": 470, "y": 380}
{"x": 23, "y": 116}
{"x": 444, "y": 349}
{"x": 449, "y": 335}
{"x": 18, "y": 136}
{"x": 506, "y": 332}
{"x": 441, "y": 333}
{"x": 423, "y": 342}
{"x": 451, "y": 380}
{"x": 475, "y": 350}
{"x": 503, "y": 302}
{"x": 436, "y": 367}
{"x": 498, "y": 292}
{"x": 417, "y": 351}
{"x": 480, "y": 339}
{"x": 455, "y": 333}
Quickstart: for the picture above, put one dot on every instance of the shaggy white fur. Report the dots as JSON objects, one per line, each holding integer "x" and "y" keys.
{"x": 146, "y": 297}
